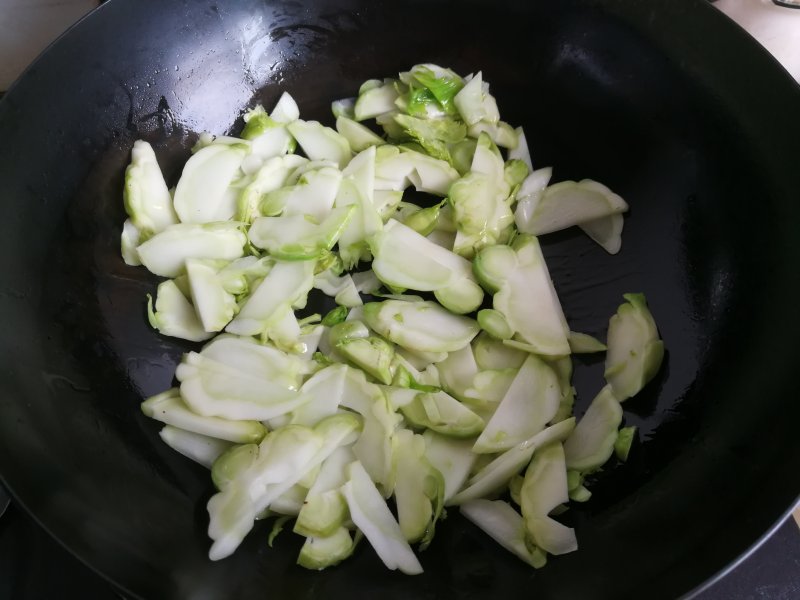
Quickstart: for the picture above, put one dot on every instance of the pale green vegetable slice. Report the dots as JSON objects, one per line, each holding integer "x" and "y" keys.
{"x": 405, "y": 259}
{"x": 202, "y": 449}
{"x": 240, "y": 274}
{"x": 583, "y": 343}
{"x": 290, "y": 502}
{"x": 522, "y": 151}
{"x": 166, "y": 252}
{"x": 444, "y": 414}
{"x": 372, "y": 516}
{"x": 530, "y": 403}
{"x": 283, "y": 286}
{"x": 504, "y": 525}
{"x": 489, "y": 387}
{"x": 200, "y": 196}
{"x": 374, "y": 448}
{"x": 569, "y": 203}
{"x": 491, "y": 353}
{"x": 386, "y": 202}
{"x": 501, "y": 133}
{"x": 214, "y": 389}
{"x": 146, "y": 197}
{"x": 174, "y": 315}
{"x": 545, "y": 488}
{"x": 168, "y": 408}
{"x": 563, "y": 368}
{"x": 526, "y": 296}
{"x": 258, "y": 360}
{"x": 462, "y": 296}
{"x": 494, "y": 323}
{"x": 634, "y": 351}
{"x": 343, "y": 289}
{"x": 345, "y": 107}
{"x": 129, "y": 240}
{"x": 324, "y": 389}
{"x": 325, "y": 508}
{"x": 452, "y": 457}
{"x": 530, "y": 193}
{"x": 375, "y": 101}
{"x": 231, "y": 517}
{"x": 496, "y": 475}
{"x": 420, "y": 326}
{"x": 606, "y": 231}
{"x": 254, "y": 482}
{"x": 431, "y": 175}
{"x": 319, "y": 553}
{"x": 357, "y": 189}
{"x": 214, "y": 305}
{"x": 296, "y": 237}
{"x": 495, "y": 266}
{"x": 421, "y": 220}
{"x": 457, "y": 371}
{"x": 286, "y": 109}
{"x": 320, "y": 142}
{"x": 418, "y": 489}
{"x": 470, "y": 101}
{"x": 271, "y": 176}
{"x": 372, "y": 354}
{"x": 622, "y": 446}
{"x": 359, "y": 136}
{"x": 592, "y": 442}
{"x": 312, "y": 195}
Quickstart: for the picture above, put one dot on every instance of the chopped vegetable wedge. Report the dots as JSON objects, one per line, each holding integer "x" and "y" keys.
{"x": 545, "y": 488}
{"x": 530, "y": 403}
{"x": 635, "y": 351}
{"x": 504, "y": 525}
{"x": 166, "y": 252}
{"x": 592, "y": 443}
{"x": 372, "y": 516}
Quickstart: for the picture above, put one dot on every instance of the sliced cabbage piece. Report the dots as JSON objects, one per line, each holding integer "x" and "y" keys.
{"x": 202, "y": 449}
{"x": 214, "y": 389}
{"x": 495, "y": 475}
{"x": 166, "y": 252}
{"x": 583, "y": 343}
{"x": 442, "y": 413}
{"x": 545, "y": 488}
{"x": 372, "y": 516}
{"x": 375, "y": 101}
{"x": 606, "y": 231}
{"x": 530, "y": 403}
{"x": 420, "y": 326}
{"x": 325, "y": 509}
{"x": 569, "y": 203}
{"x": 174, "y": 315}
{"x": 201, "y": 195}
{"x": 271, "y": 176}
{"x": 418, "y": 489}
{"x": 168, "y": 408}
{"x": 320, "y": 553}
{"x": 146, "y": 197}
{"x": 452, "y": 457}
{"x": 285, "y": 285}
{"x": 525, "y": 294}
{"x": 505, "y": 526}
{"x": 359, "y": 136}
{"x": 592, "y": 443}
{"x": 320, "y": 142}
{"x": 635, "y": 350}
{"x": 297, "y": 237}
{"x": 215, "y": 306}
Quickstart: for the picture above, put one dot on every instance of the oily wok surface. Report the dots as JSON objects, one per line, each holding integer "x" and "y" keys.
{"x": 695, "y": 134}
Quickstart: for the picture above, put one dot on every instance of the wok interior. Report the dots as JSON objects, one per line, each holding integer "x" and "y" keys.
{"x": 705, "y": 240}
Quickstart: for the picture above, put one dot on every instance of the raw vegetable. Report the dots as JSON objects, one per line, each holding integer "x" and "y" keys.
{"x": 415, "y": 390}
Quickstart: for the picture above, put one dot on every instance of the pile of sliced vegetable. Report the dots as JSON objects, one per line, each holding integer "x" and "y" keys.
{"x": 372, "y": 419}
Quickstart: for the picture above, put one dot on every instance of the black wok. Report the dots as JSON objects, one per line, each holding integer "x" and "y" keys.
{"x": 665, "y": 101}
